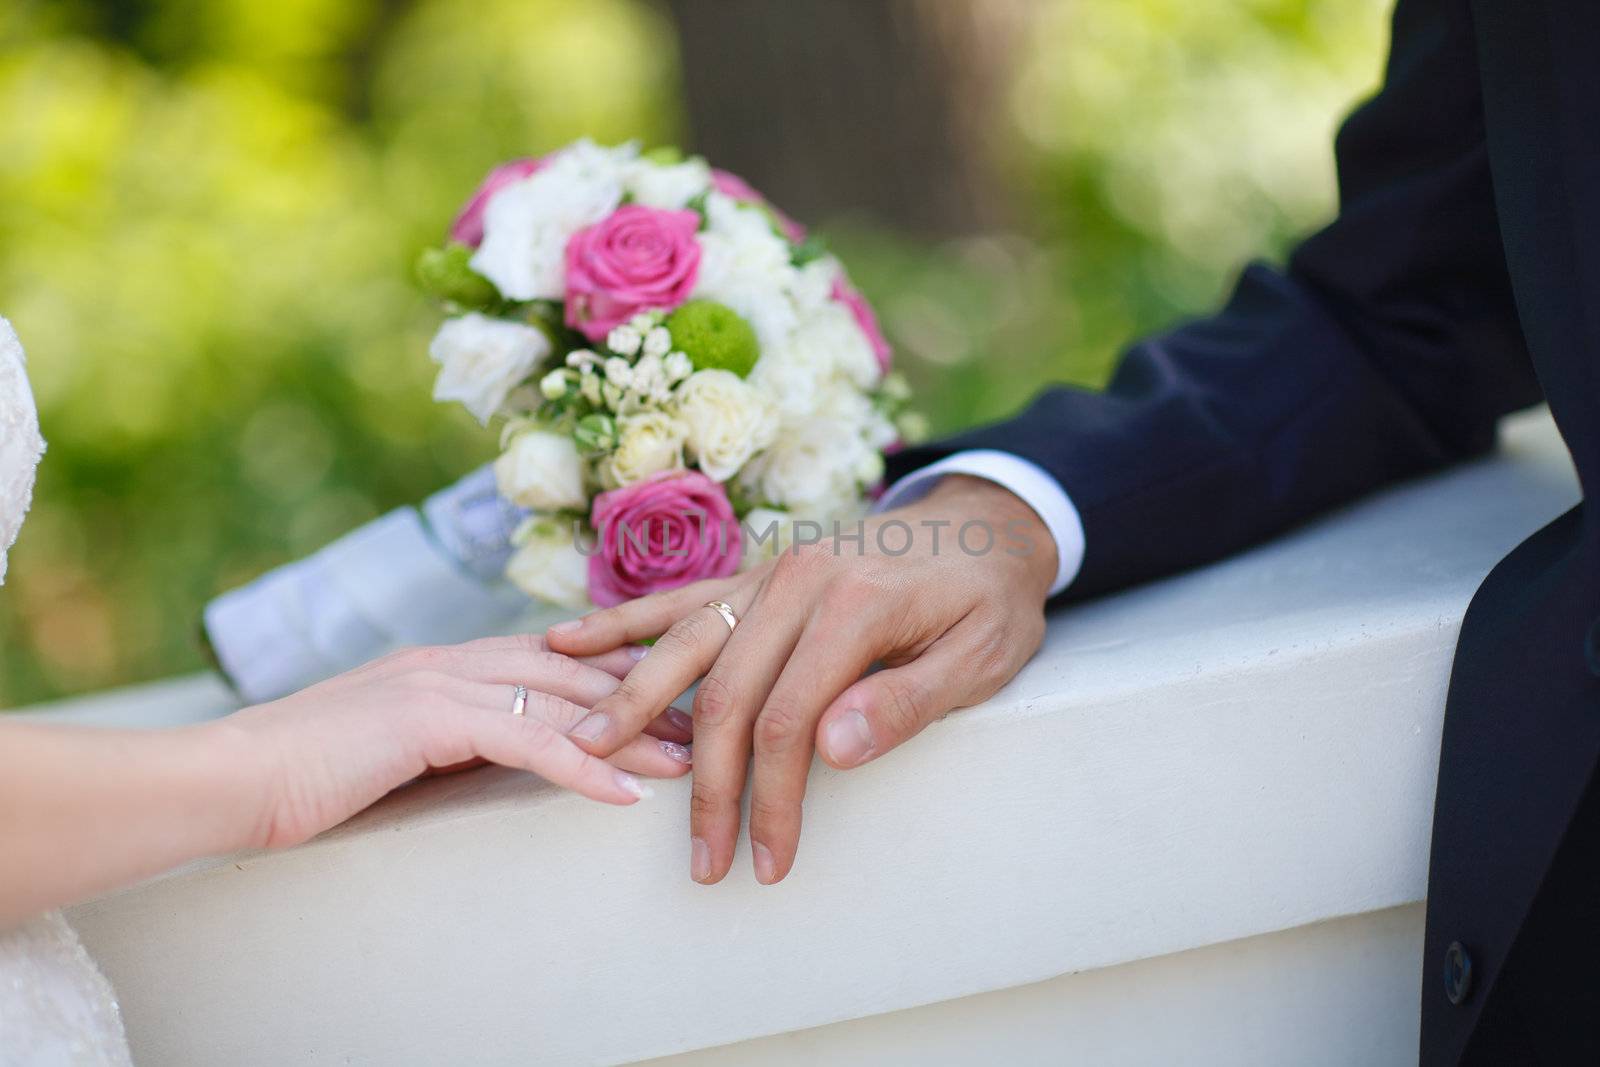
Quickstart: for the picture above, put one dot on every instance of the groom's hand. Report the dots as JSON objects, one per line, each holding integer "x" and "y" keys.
{"x": 947, "y": 593}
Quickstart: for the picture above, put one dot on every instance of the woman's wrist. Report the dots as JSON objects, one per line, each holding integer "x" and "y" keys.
{"x": 227, "y": 770}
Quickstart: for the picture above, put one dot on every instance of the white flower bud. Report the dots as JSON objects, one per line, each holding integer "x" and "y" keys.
{"x": 643, "y": 321}
{"x": 553, "y": 386}
{"x": 678, "y": 367}
{"x": 913, "y": 427}
{"x": 658, "y": 342}
{"x": 869, "y": 468}
{"x": 625, "y": 339}
{"x": 648, "y": 375}
{"x": 612, "y": 396}
{"x": 589, "y": 386}
{"x": 895, "y": 387}
{"x": 618, "y": 371}
{"x": 582, "y": 357}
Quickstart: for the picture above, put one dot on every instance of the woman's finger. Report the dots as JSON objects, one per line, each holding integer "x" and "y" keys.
{"x": 653, "y": 756}
{"x": 672, "y": 725}
{"x": 530, "y": 745}
{"x": 636, "y": 620}
{"x": 616, "y": 662}
{"x": 684, "y": 653}
{"x": 548, "y": 672}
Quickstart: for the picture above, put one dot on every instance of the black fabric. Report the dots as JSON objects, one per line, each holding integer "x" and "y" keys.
{"x": 1460, "y": 281}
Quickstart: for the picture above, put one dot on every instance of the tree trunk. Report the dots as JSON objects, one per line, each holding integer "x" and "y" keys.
{"x": 885, "y": 108}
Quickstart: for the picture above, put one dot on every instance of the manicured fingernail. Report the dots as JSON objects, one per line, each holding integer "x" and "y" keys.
{"x": 849, "y": 738}
{"x": 566, "y": 627}
{"x": 632, "y": 785}
{"x": 699, "y": 860}
{"x": 680, "y": 719}
{"x": 638, "y": 652}
{"x": 676, "y": 751}
{"x": 766, "y": 869}
{"x": 591, "y": 728}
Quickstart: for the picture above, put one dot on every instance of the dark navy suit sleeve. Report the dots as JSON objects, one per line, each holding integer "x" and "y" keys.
{"x": 1387, "y": 348}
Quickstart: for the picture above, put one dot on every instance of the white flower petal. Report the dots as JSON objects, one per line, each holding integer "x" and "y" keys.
{"x": 482, "y": 359}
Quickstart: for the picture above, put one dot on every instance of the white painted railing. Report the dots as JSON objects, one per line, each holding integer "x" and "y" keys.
{"x": 1194, "y": 829}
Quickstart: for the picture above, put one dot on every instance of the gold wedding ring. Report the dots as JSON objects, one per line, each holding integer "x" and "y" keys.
{"x": 519, "y": 700}
{"x": 726, "y": 612}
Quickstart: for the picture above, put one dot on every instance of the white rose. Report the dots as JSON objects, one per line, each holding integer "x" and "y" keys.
{"x": 850, "y": 408}
{"x": 729, "y": 421}
{"x": 767, "y": 534}
{"x": 746, "y": 266}
{"x": 481, "y": 359}
{"x": 548, "y": 564}
{"x": 541, "y": 470}
{"x": 667, "y": 186}
{"x": 813, "y": 287}
{"x": 647, "y": 444}
{"x": 20, "y": 443}
{"x": 793, "y": 383}
{"x": 830, "y": 339}
{"x": 526, "y": 225}
{"x": 809, "y": 469}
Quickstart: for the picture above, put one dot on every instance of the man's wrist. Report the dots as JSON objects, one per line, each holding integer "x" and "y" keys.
{"x": 1024, "y": 479}
{"x": 1017, "y": 529}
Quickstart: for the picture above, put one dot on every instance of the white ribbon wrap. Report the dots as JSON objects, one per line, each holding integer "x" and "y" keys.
{"x": 403, "y": 579}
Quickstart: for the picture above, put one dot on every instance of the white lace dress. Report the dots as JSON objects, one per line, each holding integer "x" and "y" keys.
{"x": 56, "y": 1010}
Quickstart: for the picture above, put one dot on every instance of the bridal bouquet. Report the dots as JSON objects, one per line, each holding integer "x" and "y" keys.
{"x": 679, "y": 369}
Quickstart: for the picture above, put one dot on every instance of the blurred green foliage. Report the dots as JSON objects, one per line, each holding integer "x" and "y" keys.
{"x": 208, "y": 209}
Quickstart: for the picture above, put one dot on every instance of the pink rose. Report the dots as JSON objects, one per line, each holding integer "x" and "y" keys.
{"x": 669, "y": 530}
{"x": 847, "y": 295}
{"x": 468, "y": 226}
{"x": 635, "y": 259}
{"x": 735, "y": 187}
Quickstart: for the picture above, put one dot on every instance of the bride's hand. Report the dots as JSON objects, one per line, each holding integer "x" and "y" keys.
{"x": 330, "y": 750}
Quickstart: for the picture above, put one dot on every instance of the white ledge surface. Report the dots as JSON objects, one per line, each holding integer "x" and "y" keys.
{"x": 1246, "y": 749}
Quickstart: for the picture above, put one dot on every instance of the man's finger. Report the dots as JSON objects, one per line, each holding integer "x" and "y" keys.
{"x": 832, "y": 652}
{"x": 684, "y": 653}
{"x": 725, "y": 706}
{"x": 967, "y": 665}
{"x": 636, "y": 620}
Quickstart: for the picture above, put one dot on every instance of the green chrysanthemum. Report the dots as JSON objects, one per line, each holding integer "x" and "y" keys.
{"x": 714, "y": 337}
{"x": 446, "y": 273}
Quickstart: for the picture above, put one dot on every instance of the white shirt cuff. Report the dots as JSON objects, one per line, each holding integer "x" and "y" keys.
{"x": 1029, "y": 481}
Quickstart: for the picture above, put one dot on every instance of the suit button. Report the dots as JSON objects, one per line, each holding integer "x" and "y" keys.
{"x": 1591, "y": 648}
{"x": 1457, "y": 973}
